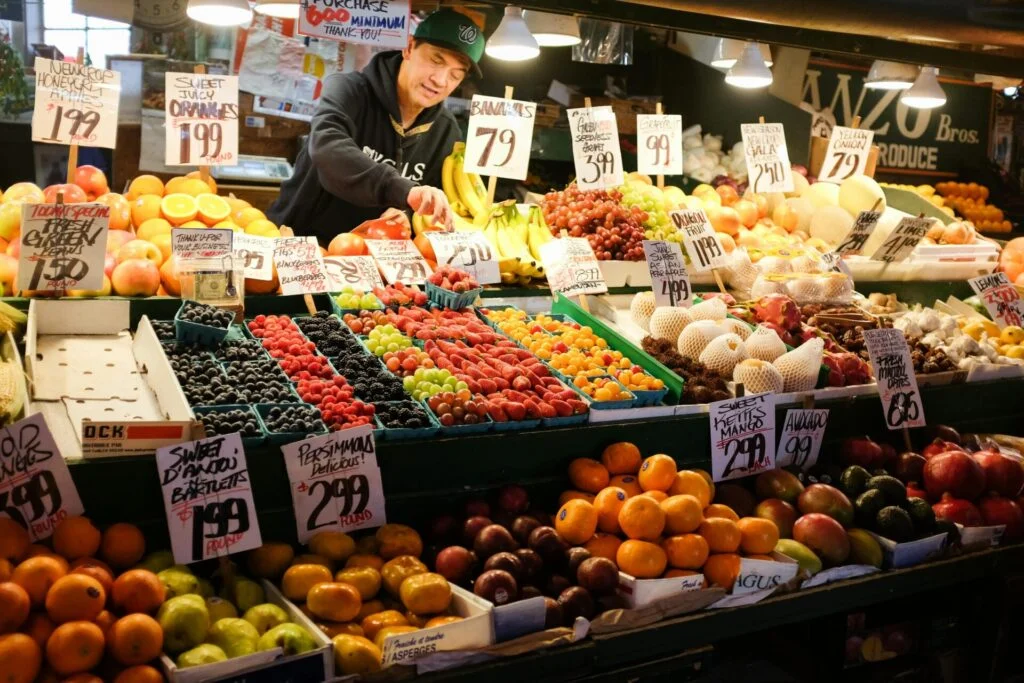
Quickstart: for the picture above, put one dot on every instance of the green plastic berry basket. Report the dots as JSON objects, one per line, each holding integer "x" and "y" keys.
{"x": 454, "y": 300}
{"x": 279, "y": 438}
{"x": 606, "y": 405}
{"x": 403, "y": 433}
{"x": 247, "y": 441}
{"x": 195, "y": 333}
{"x": 339, "y": 311}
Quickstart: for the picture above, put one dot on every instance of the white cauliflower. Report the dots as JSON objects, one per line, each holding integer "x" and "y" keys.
{"x": 928, "y": 319}
{"x": 908, "y": 325}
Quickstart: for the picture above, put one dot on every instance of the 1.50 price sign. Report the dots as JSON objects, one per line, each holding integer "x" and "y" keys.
{"x": 499, "y": 137}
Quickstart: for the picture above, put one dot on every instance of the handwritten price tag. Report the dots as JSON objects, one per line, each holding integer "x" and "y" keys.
{"x": 191, "y": 244}
{"x": 701, "y": 240}
{"x": 63, "y": 246}
{"x": 659, "y": 144}
{"x": 669, "y": 279}
{"x": 255, "y": 254}
{"x": 897, "y": 385}
{"x": 595, "y": 148}
{"x": 300, "y": 266}
{"x": 800, "y": 440}
{"x": 468, "y": 251}
{"x": 742, "y": 436}
{"x": 335, "y": 482}
{"x": 764, "y": 146}
{"x": 358, "y": 272}
{"x": 902, "y": 240}
{"x": 75, "y": 104}
{"x": 399, "y": 261}
{"x": 571, "y": 267}
{"x": 499, "y": 137}
{"x": 384, "y": 24}
{"x": 36, "y": 489}
{"x": 847, "y": 154}
{"x": 863, "y": 225}
{"x": 208, "y": 498}
{"x": 202, "y": 119}
{"x": 1000, "y": 298}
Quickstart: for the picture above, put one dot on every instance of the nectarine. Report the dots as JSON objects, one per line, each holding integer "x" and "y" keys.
{"x": 136, "y": 277}
{"x": 140, "y": 249}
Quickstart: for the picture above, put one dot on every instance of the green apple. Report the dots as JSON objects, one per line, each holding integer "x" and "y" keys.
{"x": 291, "y": 638}
{"x": 201, "y": 654}
{"x": 237, "y": 637}
{"x": 178, "y": 581}
{"x": 219, "y": 608}
{"x": 184, "y": 620}
{"x": 157, "y": 562}
{"x": 247, "y": 593}
{"x": 205, "y": 588}
{"x": 265, "y": 617}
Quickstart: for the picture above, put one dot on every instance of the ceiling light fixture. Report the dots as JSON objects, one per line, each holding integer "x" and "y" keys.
{"x": 512, "y": 40}
{"x": 283, "y": 9}
{"x": 749, "y": 71}
{"x": 552, "y": 30}
{"x": 926, "y": 93}
{"x": 219, "y": 12}
{"x": 728, "y": 50}
{"x": 890, "y": 75}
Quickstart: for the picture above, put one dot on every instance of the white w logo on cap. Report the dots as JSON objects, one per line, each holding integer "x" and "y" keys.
{"x": 468, "y": 34}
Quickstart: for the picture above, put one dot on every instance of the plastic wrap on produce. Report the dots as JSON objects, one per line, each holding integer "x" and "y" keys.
{"x": 806, "y": 288}
{"x": 604, "y": 42}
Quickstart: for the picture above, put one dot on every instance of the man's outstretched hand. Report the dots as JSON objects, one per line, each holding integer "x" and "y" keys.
{"x": 432, "y": 202}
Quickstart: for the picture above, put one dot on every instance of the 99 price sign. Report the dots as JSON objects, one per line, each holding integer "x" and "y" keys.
{"x": 659, "y": 149}
{"x": 499, "y": 137}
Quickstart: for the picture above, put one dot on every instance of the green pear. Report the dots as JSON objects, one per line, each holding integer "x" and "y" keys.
{"x": 184, "y": 621}
{"x": 201, "y": 654}
{"x": 157, "y": 562}
{"x": 196, "y": 598}
{"x": 291, "y": 638}
{"x": 265, "y": 617}
{"x": 205, "y": 588}
{"x": 247, "y": 593}
{"x": 237, "y": 637}
{"x": 178, "y": 581}
{"x": 219, "y": 608}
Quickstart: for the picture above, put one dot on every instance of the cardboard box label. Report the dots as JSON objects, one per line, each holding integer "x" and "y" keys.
{"x": 131, "y": 438}
{"x": 760, "y": 575}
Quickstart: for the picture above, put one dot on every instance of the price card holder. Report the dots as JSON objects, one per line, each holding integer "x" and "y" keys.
{"x": 897, "y": 385}
{"x": 847, "y": 154}
{"x": 36, "y": 489}
{"x": 1000, "y": 298}
{"x": 75, "y": 104}
{"x": 659, "y": 144}
{"x": 800, "y": 438}
{"x": 572, "y": 268}
{"x": 300, "y": 266}
{"x": 701, "y": 240}
{"x": 335, "y": 482}
{"x": 595, "y": 147}
{"x": 742, "y": 436}
{"x": 63, "y": 246}
{"x": 863, "y": 225}
{"x": 208, "y": 498}
{"x": 669, "y": 278}
{"x": 764, "y": 146}
{"x": 202, "y": 119}
{"x": 902, "y": 240}
{"x": 499, "y": 136}
{"x": 468, "y": 251}
{"x": 255, "y": 254}
{"x": 399, "y": 261}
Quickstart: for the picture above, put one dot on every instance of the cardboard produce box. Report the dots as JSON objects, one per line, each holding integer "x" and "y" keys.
{"x": 474, "y": 631}
{"x": 896, "y": 555}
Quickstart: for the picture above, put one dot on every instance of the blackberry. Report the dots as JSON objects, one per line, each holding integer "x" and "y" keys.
{"x": 331, "y": 337}
{"x": 402, "y": 415}
{"x": 294, "y": 419}
{"x": 230, "y": 421}
{"x": 203, "y": 314}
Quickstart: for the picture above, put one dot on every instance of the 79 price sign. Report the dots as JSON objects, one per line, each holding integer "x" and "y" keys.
{"x": 499, "y": 137}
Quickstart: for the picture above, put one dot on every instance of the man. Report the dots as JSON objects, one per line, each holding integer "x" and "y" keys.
{"x": 378, "y": 138}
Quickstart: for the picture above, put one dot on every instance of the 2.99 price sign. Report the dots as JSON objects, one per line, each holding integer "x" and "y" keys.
{"x": 202, "y": 119}
{"x": 499, "y": 137}
{"x": 75, "y": 104}
{"x": 897, "y": 384}
{"x": 742, "y": 436}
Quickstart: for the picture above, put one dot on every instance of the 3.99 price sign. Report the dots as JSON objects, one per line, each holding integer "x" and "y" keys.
{"x": 595, "y": 147}
{"x": 742, "y": 436}
{"x": 202, "y": 119}
{"x": 335, "y": 482}
{"x": 75, "y": 104}
{"x": 897, "y": 385}
{"x": 764, "y": 146}
{"x": 499, "y": 137}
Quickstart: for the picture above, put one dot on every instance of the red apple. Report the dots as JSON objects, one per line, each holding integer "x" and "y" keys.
{"x": 108, "y": 264}
{"x": 140, "y": 249}
{"x": 14, "y": 248}
{"x": 136, "y": 277}
{"x": 92, "y": 180}
{"x": 780, "y": 512}
{"x": 104, "y": 290}
{"x": 117, "y": 239}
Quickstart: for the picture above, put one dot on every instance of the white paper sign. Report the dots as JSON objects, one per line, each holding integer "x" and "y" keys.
{"x": 701, "y": 240}
{"x": 863, "y": 225}
{"x": 742, "y": 436}
{"x": 847, "y": 154}
{"x": 36, "y": 489}
{"x": 335, "y": 482}
{"x": 300, "y": 266}
{"x": 764, "y": 146}
{"x": 202, "y": 119}
{"x": 669, "y": 278}
{"x": 897, "y": 384}
{"x": 800, "y": 438}
{"x": 571, "y": 267}
{"x": 63, "y": 246}
{"x": 399, "y": 261}
{"x": 762, "y": 575}
{"x": 1000, "y": 298}
{"x": 75, "y": 104}
{"x": 835, "y": 263}
{"x": 384, "y": 24}
{"x": 499, "y": 137}
{"x": 468, "y": 251}
{"x": 208, "y": 498}
{"x": 256, "y": 254}
{"x": 358, "y": 272}
{"x": 902, "y": 240}
{"x": 659, "y": 144}
{"x": 595, "y": 148}
{"x": 190, "y": 244}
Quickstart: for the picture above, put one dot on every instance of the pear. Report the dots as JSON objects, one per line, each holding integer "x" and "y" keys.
{"x": 184, "y": 620}
{"x": 219, "y": 608}
{"x": 201, "y": 654}
{"x": 157, "y": 562}
{"x": 291, "y": 638}
{"x": 237, "y": 637}
{"x": 178, "y": 580}
{"x": 265, "y": 617}
{"x": 247, "y": 593}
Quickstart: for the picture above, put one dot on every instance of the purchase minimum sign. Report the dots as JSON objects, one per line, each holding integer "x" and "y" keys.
{"x": 701, "y": 240}
{"x": 894, "y": 371}
{"x": 595, "y": 147}
{"x": 742, "y": 436}
{"x": 63, "y": 246}
{"x": 202, "y": 119}
{"x": 499, "y": 137}
{"x": 384, "y": 23}
{"x": 764, "y": 146}
{"x": 75, "y": 104}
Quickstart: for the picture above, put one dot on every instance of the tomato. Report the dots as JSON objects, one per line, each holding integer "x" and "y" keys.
{"x": 347, "y": 244}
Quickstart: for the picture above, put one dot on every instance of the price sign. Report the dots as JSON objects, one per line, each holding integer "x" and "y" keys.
{"x": 1000, "y": 298}
{"x": 499, "y": 137}
{"x": 847, "y": 154}
{"x": 659, "y": 144}
{"x": 902, "y": 240}
{"x": 335, "y": 482}
{"x": 702, "y": 243}
{"x": 63, "y": 246}
{"x": 383, "y": 24}
{"x": 300, "y": 266}
{"x": 399, "y": 261}
{"x": 571, "y": 267}
{"x": 75, "y": 104}
{"x": 669, "y": 279}
{"x": 255, "y": 254}
{"x": 595, "y": 148}
{"x": 764, "y": 146}
{"x": 469, "y": 251}
{"x": 208, "y": 498}
{"x": 897, "y": 385}
{"x": 358, "y": 272}
{"x": 835, "y": 263}
{"x": 800, "y": 440}
{"x": 36, "y": 489}
{"x": 190, "y": 244}
{"x": 863, "y": 225}
{"x": 742, "y": 436}
{"x": 202, "y": 119}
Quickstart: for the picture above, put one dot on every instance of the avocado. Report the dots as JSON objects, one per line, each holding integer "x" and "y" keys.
{"x": 894, "y": 490}
{"x": 854, "y": 480}
{"x": 894, "y": 523}
{"x": 867, "y": 507}
{"x": 921, "y": 513}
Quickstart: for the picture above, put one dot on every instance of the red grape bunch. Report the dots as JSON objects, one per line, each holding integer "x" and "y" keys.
{"x": 615, "y": 231}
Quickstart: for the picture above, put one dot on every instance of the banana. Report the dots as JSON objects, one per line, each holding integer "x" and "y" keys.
{"x": 463, "y": 225}
{"x": 459, "y": 147}
{"x": 467, "y": 193}
{"x": 447, "y": 179}
{"x": 460, "y": 209}
{"x": 491, "y": 233}
{"x": 539, "y": 236}
{"x": 509, "y": 242}
{"x": 508, "y": 278}
{"x": 418, "y": 226}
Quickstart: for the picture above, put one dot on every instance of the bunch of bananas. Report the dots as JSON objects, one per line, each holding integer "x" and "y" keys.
{"x": 517, "y": 239}
{"x": 465, "y": 191}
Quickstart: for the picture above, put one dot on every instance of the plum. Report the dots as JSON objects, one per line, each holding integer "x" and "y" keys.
{"x": 576, "y": 601}
{"x": 455, "y": 563}
{"x": 507, "y": 561}
{"x": 494, "y": 539}
{"x": 497, "y": 586}
{"x": 548, "y": 543}
{"x": 473, "y": 526}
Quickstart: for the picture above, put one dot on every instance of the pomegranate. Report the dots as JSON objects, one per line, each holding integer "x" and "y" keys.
{"x": 939, "y": 446}
{"x": 861, "y": 451}
{"x": 998, "y": 510}
{"x": 953, "y": 472}
{"x": 909, "y": 467}
{"x": 914, "y": 490}
{"x": 957, "y": 510}
{"x": 1003, "y": 474}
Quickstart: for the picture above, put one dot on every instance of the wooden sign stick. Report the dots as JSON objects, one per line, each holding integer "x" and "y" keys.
{"x": 492, "y": 182}
{"x": 204, "y": 171}
{"x": 73, "y": 150}
{"x": 583, "y": 298}
{"x": 661, "y": 178}
{"x": 307, "y": 298}
{"x": 856, "y": 122}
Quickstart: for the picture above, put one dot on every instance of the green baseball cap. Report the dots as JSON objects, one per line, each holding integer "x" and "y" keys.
{"x": 454, "y": 31}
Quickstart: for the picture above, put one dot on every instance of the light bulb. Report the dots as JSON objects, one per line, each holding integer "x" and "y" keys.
{"x": 512, "y": 40}
{"x": 749, "y": 71}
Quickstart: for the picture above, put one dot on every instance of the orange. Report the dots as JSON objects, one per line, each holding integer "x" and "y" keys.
{"x": 39, "y": 627}
{"x": 641, "y": 559}
{"x": 36, "y": 575}
{"x": 135, "y": 639}
{"x": 236, "y": 204}
{"x": 691, "y": 483}
{"x": 587, "y": 474}
{"x": 178, "y": 208}
{"x": 642, "y": 518}
{"x": 375, "y": 622}
{"x": 426, "y": 594}
{"x": 722, "y": 570}
{"x": 95, "y": 569}
{"x": 194, "y": 225}
{"x": 123, "y": 545}
{"x": 139, "y": 674}
{"x": 76, "y": 537}
{"x": 576, "y": 521}
{"x": 210, "y": 182}
{"x": 364, "y": 560}
{"x": 144, "y": 184}
{"x": 227, "y": 225}
{"x": 20, "y": 658}
{"x": 688, "y": 551}
{"x": 603, "y": 545}
{"x": 193, "y": 187}
{"x": 40, "y": 549}
{"x": 75, "y": 647}
{"x": 720, "y": 510}
{"x": 120, "y": 210}
{"x": 722, "y": 535}
{"x": 369, "y": 607}
{"x": 442, "y": 620}
{"x": 105, "y": 620}
{"x": 608, "y": 503}
{"x": 212, "y": 209}
{"x": 300, "y": 578}
{"x": 261, "y": 227}
{"x": 145, "y": 207}
{"x": 393, "y": 540}
{"x": 366, "y": 580}
{"x": 334, "y": 601}
{"x": 621, "y": 458}
{"x": 244, "y": 216}
{"x": 655, "y": 495}
{"x": 683, "y": 514}
{"x": 312, "y": 558}
{"x": 574, "y": 495}
{"x": 14, "y": 606}
{"x": 6, "y": 569}
{"x": 657, "y": 473}
{"x": 14, "y": 540}
{"x": 75, "y": 597}
{"x": 709, "y": 480}
{"x": 173, "y": 185}
{"x": 757, "y": 536}
{"x": 138, "y": 590}
{"x": 628, "y": 483}
{"x": 83, "y": 677}
{"x": 153, "y": 227}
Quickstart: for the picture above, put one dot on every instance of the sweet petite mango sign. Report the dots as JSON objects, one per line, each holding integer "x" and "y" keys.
{"x": 384, "y": 23}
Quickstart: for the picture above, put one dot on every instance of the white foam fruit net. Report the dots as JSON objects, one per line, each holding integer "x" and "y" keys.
{"x": 799, "y": 367}
{"x": 723, "y": 353}
{"x": 696, "y": 336}
{"x": 764, "y": 344}
{"x": 736, "y": 326}
{"x": 667, "y": 322}
{"x": 711, "y": 309}
{"x": 757, "y": 376}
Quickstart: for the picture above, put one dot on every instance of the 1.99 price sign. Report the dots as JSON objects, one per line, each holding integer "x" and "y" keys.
{"x": 499, "y": 137}
{"x": 742, "y": 436}
{"x": 75, "y": 104}
{"x": 202, "y": 119}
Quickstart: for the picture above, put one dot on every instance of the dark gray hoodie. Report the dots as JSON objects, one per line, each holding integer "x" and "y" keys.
{"x": 358, "y": 160}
